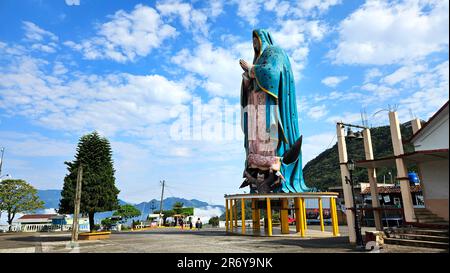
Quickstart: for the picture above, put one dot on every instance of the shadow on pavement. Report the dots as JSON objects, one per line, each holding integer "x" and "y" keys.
{"x": 176, "y": 231}
{"x": 332, "y": 242}
{"x": 37, "y": 238}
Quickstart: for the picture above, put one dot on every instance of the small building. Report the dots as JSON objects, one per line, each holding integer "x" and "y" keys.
{"x": 391, "y": 196}
{"x": 36, "y": 219}
{"x": 50, "y": 222}
{"x": 431, "y": 154}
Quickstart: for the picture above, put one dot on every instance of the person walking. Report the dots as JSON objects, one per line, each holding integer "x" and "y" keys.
{"x": 198, "y": 224}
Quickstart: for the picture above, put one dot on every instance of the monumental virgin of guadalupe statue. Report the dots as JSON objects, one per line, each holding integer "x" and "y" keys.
{"x": 269, "y": 120}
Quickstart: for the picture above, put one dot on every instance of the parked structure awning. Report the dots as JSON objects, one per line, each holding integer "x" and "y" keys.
{"x": 409, "y": 159}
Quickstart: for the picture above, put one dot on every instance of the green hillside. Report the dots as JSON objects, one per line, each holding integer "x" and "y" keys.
{"x": 323, "y": 171}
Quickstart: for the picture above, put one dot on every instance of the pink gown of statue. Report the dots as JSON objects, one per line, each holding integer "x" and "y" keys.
{"x": 262, "y": 142}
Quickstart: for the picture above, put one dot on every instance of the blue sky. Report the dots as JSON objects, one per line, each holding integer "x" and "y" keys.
{"x": 134, "y": 70}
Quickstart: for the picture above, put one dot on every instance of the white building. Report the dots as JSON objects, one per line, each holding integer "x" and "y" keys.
{"x": 431, "y": 152}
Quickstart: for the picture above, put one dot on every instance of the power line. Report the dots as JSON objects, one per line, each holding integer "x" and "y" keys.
{"x": 334, "y": 136}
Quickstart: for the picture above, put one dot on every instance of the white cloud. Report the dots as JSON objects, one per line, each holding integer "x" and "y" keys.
{"x": 215, "y": 8}
{"x": 42, "y": 40}
{"x": 295, "y": 36}
{"x": 191, "y": 18}
{"x": 333, "y": 81}
{"x": 381, "y": 33}
{"x": 403, "y": 74}
{"x": 301, "y": 9}
{"x": 296, "y": 33}
{"x": 126, "y": 36}
{"x": 35, "y": 33}
{"x": 73, "y": 2}
{"x": 206, "y": 61}
{"x": 78, "y": 102}
{"x": 249, "y": 10}
{"x": 317, "y": 112}
{"x": 205, "y": 213}
{"x": 35, "y": 145}
{"x": 346, "y": 117}
{"x": 314, "y": 7}
{"x": 59, "y": 68}
{"x": 372, "y": 74}
{"x": 431, "y": 93}
{"x": 315, "y": 144}
{"x": 382, "y": 92}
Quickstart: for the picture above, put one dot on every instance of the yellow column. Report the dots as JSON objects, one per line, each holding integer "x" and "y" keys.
{"x": 231, "y": 215}
{"x": 322, "y": 227}
{"x": 226, "y": 215}
{"x": 284, "y": 216}
{"x": 256, "y": 215}
{"x": 305, "y": 227}
{"x": 258, "y": 218}
{"x": 253, "y": 214}
{"x": 299, "y": 217}
{"x": 243, "y": 215}
{"x": 334, "y": 218}
{"x": 269, "y": 217}
{"x": 235, "y": 214}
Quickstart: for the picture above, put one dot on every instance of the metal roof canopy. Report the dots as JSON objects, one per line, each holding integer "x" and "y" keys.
{"x": 283, "y": 195}
{"x": 409, "y": 159}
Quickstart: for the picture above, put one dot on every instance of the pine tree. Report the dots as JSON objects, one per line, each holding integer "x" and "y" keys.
{"x": 98, "y": 191}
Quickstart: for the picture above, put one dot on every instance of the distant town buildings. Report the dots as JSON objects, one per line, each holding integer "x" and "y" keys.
{"x": 49, "y": 222}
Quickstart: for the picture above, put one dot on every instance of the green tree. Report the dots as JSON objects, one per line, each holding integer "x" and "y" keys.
{"x": 177, "y": 207}
{"x": 214, "y": 221}
{"x": 17, "y": 196}
{"x": 107, "y": 223}
{"x": 127, "y": 212}
{"x": 166, "y": 213}
{"x": 98, "y": 191}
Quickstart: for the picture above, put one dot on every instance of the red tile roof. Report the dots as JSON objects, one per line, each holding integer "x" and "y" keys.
{"x": 37, "y": 216}
{"x": 394, "y": 189}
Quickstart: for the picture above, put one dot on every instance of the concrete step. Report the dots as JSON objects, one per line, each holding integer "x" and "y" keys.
{"x": 418, "y": 243}
{"x": 422, "y": 231}
{"x": 430, "y": 220}
{"x": 423, "y": 213}
{"x": 429, "y": 217}
{"x": 421, "y": 237}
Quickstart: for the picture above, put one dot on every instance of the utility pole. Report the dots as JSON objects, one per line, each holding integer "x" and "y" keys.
{"x": 1, "y": 159}
{"x": 161, "y": 203}
{"x": 77, "y": 205}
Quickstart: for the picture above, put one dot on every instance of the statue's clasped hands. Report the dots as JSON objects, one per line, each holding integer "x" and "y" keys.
{"x": 245, "y": 66}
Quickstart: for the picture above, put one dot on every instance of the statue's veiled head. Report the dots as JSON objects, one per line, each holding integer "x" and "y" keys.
{"x": 261, "y": 40}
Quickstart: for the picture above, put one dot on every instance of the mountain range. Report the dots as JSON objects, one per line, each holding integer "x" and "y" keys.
{"x": 51, "y": 201}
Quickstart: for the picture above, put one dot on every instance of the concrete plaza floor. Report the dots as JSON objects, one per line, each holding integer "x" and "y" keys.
{"x": 174, "y": 240}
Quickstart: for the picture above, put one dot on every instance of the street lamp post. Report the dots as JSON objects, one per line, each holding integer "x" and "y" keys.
{"x": 351, "y": 168}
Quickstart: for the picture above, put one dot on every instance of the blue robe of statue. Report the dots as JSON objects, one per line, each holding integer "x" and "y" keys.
{"x": 273, "y": 75}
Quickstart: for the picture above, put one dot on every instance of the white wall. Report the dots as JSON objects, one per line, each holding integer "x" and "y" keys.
{"x": 435, "y": 179}
{"x": 435, "y": 136}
